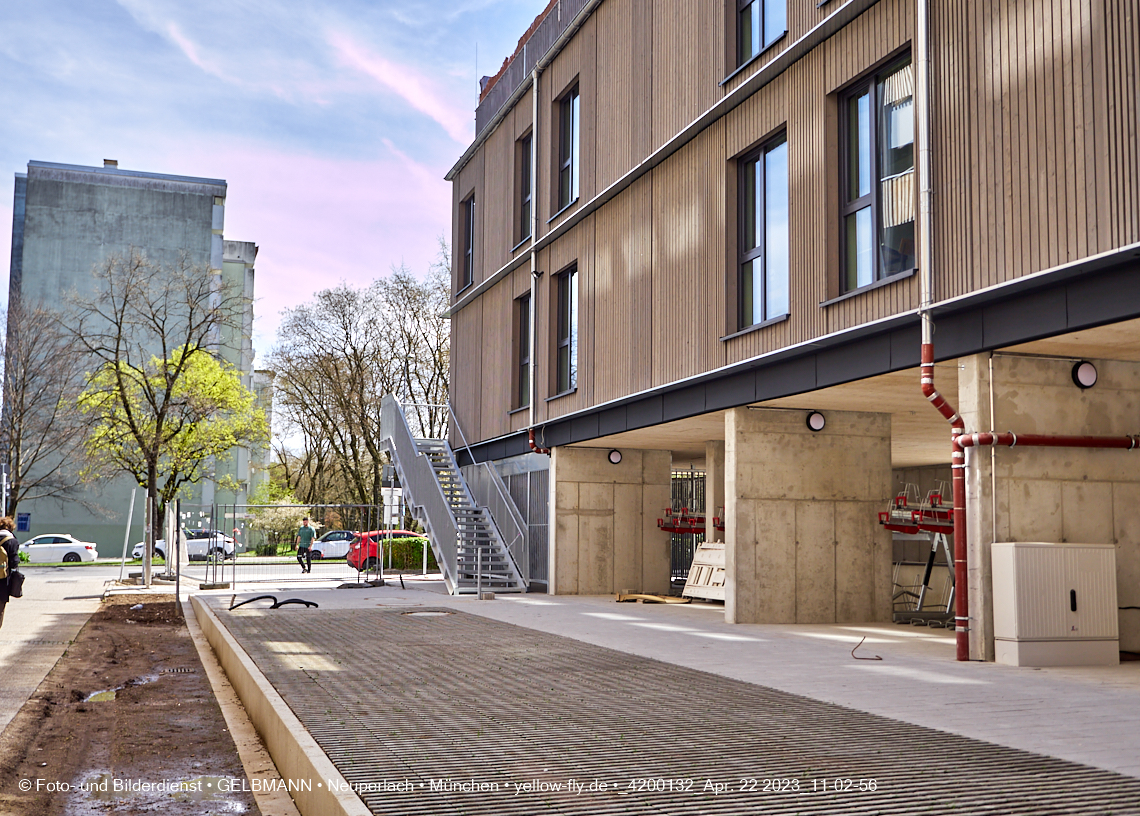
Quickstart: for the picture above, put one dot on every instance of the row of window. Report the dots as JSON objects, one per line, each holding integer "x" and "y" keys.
{"x": 877, "y": 201}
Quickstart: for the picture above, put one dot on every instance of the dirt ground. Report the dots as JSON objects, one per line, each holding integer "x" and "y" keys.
{"x": 124, "y": 723}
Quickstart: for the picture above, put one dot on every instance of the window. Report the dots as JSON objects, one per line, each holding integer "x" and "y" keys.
{"x": 764, "y": 234}
{"x": 878, "y": 177}
{"x": 467, "y": 242}
{"x": 759, "y": 23}
{"x": 567, "y": 345}
{"x": 522, "y": 191}
{"x": 569, "y": 119}
{"x": 522, "y": 313}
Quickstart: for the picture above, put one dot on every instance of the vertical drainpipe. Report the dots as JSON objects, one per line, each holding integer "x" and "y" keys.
{"x": 533, "y": 240}
{"x": 926, "y": 297}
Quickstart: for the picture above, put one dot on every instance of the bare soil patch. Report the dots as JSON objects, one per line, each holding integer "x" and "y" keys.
{"x": 126, "y": 722}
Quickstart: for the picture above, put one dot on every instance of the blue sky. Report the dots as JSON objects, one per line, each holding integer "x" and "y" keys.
{"x": 333, "y": 121}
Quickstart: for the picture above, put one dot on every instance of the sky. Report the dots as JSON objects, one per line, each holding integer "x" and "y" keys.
{"x": 332, "y": 121}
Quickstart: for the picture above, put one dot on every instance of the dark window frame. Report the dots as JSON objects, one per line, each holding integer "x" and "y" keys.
{"x": 524, "y": 217}
{"x": 764, "y": 41}
{"x": 868, "y": 85}
{"x": 568, "y": 167}
{"x": 745, "y": 254}
{"x": 467, "y": 231}
{"x": 523, "y": 307}
{"x": 566, "y": 326}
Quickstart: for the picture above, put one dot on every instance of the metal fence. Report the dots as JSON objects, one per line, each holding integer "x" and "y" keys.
{"x": 688, "y": 493}
{"x": 531, "y": 495}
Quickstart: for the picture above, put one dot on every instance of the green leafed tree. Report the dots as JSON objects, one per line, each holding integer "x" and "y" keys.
{"x": 209, "y": 413}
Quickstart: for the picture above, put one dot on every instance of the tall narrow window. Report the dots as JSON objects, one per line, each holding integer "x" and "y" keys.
{"x": 567, "y": 346}
{"x": 522, "y": 396}
{"x": 569, "y": 146}
{"x": 467, "y": 242}
{"x": 878, "y": 184}
{"x": 523, "y": 159}
{"x": 764, "y": 234}
{"x": 759, "y": 23}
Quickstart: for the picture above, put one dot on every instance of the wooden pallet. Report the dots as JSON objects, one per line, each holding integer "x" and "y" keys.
{"x": 638, "y": 596}
{"x": 706, "y": 573}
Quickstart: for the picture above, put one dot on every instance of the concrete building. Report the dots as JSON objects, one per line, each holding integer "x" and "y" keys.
{"x": 68, "y": 219}
{"x": 682, "y": 228}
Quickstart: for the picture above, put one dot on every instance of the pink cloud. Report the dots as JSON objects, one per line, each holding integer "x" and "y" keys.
{"x": 319, "y": 221}
{"x": 411, "y": 86}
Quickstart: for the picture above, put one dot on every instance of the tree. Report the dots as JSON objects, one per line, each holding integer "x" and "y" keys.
{"x": 40, "y": 434}
{"x": 145, "y": 329}
{"x": 211, "y": 413}
{"x": 337, "y": 356}
{"x": 278, "y": 515}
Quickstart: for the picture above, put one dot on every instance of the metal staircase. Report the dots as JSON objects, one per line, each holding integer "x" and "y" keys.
{"x": 465, "y": 537}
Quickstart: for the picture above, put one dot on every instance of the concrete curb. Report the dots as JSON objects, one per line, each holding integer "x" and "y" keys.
{"x": 293, "y": 749}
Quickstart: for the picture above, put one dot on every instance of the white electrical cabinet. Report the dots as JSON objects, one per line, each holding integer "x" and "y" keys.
{"x": 1055, "y": 604}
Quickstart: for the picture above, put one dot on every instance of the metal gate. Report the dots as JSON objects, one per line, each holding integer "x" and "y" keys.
{"x": 688, "y": 493}
{"x": 530, "y": 493}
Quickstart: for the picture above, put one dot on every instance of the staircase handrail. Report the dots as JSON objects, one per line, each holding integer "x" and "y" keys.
{"x": 501, "y": 506}
{"x": 422, "y": 487}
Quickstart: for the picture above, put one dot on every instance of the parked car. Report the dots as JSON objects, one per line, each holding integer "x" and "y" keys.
{"x": 52, "y": 547}
{"x": 159, "y": 550}
{"x": 363, "y": 554}
{"x": 333, "y": 544}
{"x": 201, "y": 544}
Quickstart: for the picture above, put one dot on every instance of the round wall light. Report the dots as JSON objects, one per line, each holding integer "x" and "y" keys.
{"x": 816, "y": 421}
{"x": 615, "y": 457}
{"x": 1084, "y": 374}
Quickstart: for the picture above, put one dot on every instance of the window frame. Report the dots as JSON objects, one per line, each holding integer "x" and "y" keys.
{"x": 521, "y": 397}
{"x": 566, "y": 331}
{"x": 524, "y": 163}
{"x": 467, "y": 231}
{"x": 868, "y": 84}
{"x": 746, "y": 255}
{"x": 765, "y": 42}
{"x": 569, "y": 148}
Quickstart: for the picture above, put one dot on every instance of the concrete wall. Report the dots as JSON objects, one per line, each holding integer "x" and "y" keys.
{"x": 1051, "y": 494}
{"x": 714, "y": 488}
{"x": 803, "y": 540}
{"x": 604, "y": 534}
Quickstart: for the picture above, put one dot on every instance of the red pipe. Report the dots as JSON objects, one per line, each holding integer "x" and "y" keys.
{"x": 535, "y": 447}
{"x": 1039, "y": 441}
{"x": 958, "y": 467}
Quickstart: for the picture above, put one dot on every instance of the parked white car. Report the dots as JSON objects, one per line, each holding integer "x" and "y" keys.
{"x": 51, "y": 548}
{"x": 201, "y": 544}
{"x": 333, "y": 544}
{"x": 159, "y": 550}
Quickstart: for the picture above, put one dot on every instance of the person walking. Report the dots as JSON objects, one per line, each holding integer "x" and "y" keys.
{"x": 304, "y": 542}
{"x": 11, "y": 558}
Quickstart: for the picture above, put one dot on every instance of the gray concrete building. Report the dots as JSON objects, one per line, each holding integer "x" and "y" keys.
{"x": 67, "y": 219}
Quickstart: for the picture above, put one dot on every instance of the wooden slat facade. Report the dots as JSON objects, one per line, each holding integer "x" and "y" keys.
{"x": 1034, "y": 107}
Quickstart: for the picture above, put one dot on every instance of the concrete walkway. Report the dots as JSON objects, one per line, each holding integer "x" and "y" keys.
{"x": 39, "y": 626}
{"x": 341, "y": 669}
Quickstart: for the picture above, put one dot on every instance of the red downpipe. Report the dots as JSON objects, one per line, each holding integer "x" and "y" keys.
{"x": 959, "y": 441}
{"x": 535, "y": 447}
{"x": 958, "y": 469}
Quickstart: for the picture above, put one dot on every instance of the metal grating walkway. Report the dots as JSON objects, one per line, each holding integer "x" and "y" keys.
{"x": 451, "y": 699}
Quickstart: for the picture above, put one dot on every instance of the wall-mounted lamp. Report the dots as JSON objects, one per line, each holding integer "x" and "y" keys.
{"x": 816, "y": 421}
{"x": 614, "y": 457}
{"x": 1084, "y": 374}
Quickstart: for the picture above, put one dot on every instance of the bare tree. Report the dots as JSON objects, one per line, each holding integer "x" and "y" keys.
{"x": 337, "y": 356}
{"x": 41, "y": 434}
{"x": 143, "y": 330}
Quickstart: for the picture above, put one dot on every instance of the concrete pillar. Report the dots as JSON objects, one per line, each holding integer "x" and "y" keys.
{"x": 604, "y": 536}
{"x": 714, "y": 487}
{"x": 803, "y": 542}
{"x": 1051, "y": 494}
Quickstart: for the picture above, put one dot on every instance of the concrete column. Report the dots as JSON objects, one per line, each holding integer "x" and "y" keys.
{"x": 803, "y": 542}
{"x": 714, "y": 487}
{"x": 604, "y": 536}
{"x": 1051, "y": 494}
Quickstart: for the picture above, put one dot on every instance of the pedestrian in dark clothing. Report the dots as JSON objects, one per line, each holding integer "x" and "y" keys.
{"x": 305, "y": 538}
{"x": 12, "y": 551}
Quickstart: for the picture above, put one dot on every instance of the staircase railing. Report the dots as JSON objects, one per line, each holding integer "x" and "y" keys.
{"x": 487, "y": 489}
{"x": 422, "y": 489}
